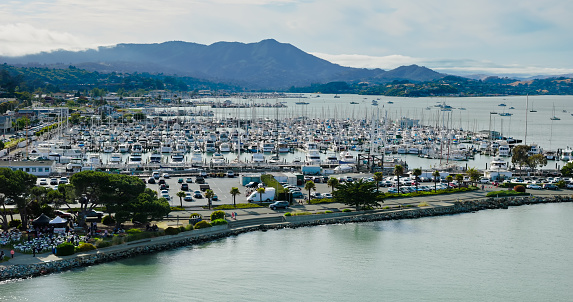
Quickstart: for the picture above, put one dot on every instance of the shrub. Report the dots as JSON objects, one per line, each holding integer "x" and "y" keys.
{"x": 171, "y": 231}
{"x": 301, "y": 213}
{"x": 423, "y": 204}
{"x": 182, "y": 229}
{"x": 133, "y": 231}
{"x": 195, "y": 215}
{"x": 100, "y": 243}
{"x": 505, "y": 193}
{"x": 65, "y": 249}
{"x": 239, "y": 206}
{"x": 117, "y": 240}
{"x": 141, "y": 218}
{"x": 328, "y": 211}
{"x": 84, "y": 247}
{"x": 217, "y": 215}
{"x": 519, "y": 188}
{"x": 346, "y": 210}
{"x": 218, "y": 222}
{"x": 108, "y": 220}
{"x": 15, "y": 223}
{"x": 177, "y": 209}
{"x": 202, "y": 224}
{"x": 287, "y": 214}
{"x": 189, "y": 227}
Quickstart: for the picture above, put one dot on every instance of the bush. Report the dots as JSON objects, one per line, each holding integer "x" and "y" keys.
{"x": 133, "y": 231}
{"x": 84, "y": 247}
{"x": 423, "y": 204}
{"x": 219, "y": 222}
{"x": 287, "y": 214}
{"x": 239, "y": 206}
{"x": 65, "y": 249}
{"x": 117, "y": 239}
{"x": 172, "y": 231}
{"x": 182, "y": 229}
{"x": 177, "y": 209}
{"x": 100, "y": 243}
{"x": 217, "y": 215}
{"x": 108, "y": 220}
{"x": 189, "y": 227}
{"x": 346, "y": 210}
{"x": 15, "y": 223}
{"x": 141, "y": 218}
{"x": 202, "y": 224}
{"x": 328, "y": 211}
{"x": 195, "y": 215}
{"x": 504, "y": 193}
{"x": 519, "y": 188}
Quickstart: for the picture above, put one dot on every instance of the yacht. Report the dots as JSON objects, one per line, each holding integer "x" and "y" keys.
{"x": 347, "y": 158}
{"x": 267, "y": 147}
{"x": 258, "y": 158}
{"x": 177, "y": 157}
{"x": 137, "y": 147}
{"x": 123, "y": 148}
{"x": 225, "y": 147}
{"x": 567, "y": 154}
{"x": 155, "y": 158}
{"x": 135, "y": 158}
{"x": 312, "y": 157}
{"x": 197, "y": 157}
{"x": 503, "y": 150}
{"x": 108, "y": 148}
{"x": 115, "y": 158}
{"x": 331, "y": 158}
{"x": 166, "y": 147}
{"x": 283, "y": 147}
{"x": 210, "y": 146}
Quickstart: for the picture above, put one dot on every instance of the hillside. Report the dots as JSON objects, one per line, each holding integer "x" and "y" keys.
{"x": 267, "y": 64}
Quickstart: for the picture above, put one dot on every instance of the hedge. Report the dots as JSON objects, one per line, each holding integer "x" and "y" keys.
{"x": 65, "y": 249}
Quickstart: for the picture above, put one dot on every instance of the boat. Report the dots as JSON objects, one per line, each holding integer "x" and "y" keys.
{"x": 217, "y": 159}
{"x": 353, "y": 103}
{"x": 567, "y": 154}
{"x": 312, "y": 157}
{"x": 135, "y": 158}
{"x": 502, "y": 105}
{"x": 302, "y": 103}
{"x": 258, "y": 158}
{"x": 347, "y": 158}
{"x": 196, "y": 157}
{"x": 505, "y": 114}
{"x": 554, "y": 117}
{"x": 225, "y": 147}
{"x": 177, "y": 157}
{"x": 115, "y": 158}
{"x": 337, "y": 96}
{"x": 155, "y": 158}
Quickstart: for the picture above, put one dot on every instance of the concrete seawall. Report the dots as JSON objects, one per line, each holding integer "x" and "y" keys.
{"x": 148, "y": 246}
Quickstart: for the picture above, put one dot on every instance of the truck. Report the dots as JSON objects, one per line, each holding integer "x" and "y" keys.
{"x": 267, "y": 196}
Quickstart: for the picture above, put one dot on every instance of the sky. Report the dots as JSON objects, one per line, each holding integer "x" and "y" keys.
{"x": 526, "y": 37}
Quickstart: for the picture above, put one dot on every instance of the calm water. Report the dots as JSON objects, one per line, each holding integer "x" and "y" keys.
{"x": 519, "y": 254}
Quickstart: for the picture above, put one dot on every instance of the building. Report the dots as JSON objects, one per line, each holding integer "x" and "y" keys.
{"x": 41, "y": 168}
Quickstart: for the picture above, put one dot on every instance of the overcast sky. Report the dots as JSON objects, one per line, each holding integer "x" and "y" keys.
{"x": 461, "y": 37}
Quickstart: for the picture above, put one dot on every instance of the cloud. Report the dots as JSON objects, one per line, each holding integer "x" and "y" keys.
{"x": 17, "y": 39}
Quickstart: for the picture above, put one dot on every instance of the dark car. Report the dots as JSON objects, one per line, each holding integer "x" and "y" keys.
{"x": 53, "y": 181}
{"x": 151, "y": 180}
{"x": 252, "y": 184}
{"x": 184, "y": 187}
{"x": 94, "y": 213}
{"x": 550, "y": 187}
{"x": 164, "y": 187}
{"x": 200, "y": 180}
{"x": 197, "y": 194}
{"x": 279, "y": 204}
{"x": 180, "y": 180}
{"x": 161, "y": 181}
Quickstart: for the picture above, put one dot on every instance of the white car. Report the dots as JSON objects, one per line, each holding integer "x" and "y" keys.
{"x": 534, "y": 187}
{"x": 43, "y": 182}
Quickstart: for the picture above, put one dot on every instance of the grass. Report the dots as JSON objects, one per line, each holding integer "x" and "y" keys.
{"x": 239, "y": 206}
{"x": 504, "y": 193}
{"x": 423, "y": 204}
{"x": 322, "y": 200}
{"x": 271, "y": 182}
{"x": 424, "y": 193}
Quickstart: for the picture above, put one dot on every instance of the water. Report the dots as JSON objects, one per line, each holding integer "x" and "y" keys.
{"x": 518, "y": 254}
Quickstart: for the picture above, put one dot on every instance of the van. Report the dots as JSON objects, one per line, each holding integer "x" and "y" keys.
{"x": 267, "y": 196}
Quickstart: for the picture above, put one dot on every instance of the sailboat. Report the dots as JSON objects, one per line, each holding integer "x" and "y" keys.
{"x": 554, "y": 118}
{"x": 532, "y": 110}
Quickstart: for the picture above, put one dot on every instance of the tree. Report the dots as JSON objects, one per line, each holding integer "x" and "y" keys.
{"x": 520, "y": 155}
{"x": 459, "y": 179}
{"x": 180, "y": 194}
{"x": 309, "y": 185}
{"x": 359, "y": 194}
{"x": 536, "y": 160}
{"x": 398, "y": 171}
{"x": 234, "y": 191}
{"x": 209, "y": 194}
{"x": 417, "y": 172}
{"x": 449, "y": 179}
{"x": 567, "y": 169}
{"x": 16, "y": 185}
{"x": 474, "y": 175}
{"x": 146, "y": 207}
{"x": 261, "y": 191}
{"x": 378, "y": 177}
{"x": 436, "y": 175}
{"x": 333, "y": 183}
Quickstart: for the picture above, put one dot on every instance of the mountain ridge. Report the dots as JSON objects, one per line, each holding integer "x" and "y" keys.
{"x": 267, "y": 64}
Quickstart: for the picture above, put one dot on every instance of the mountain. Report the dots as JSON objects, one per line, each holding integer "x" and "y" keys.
{"x": 267, "y": 64}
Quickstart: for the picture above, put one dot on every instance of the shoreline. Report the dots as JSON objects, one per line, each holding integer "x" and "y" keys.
{"x": 149, "y": 246}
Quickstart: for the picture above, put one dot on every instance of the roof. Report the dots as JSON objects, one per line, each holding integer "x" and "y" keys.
{"x": 28, "y": 163}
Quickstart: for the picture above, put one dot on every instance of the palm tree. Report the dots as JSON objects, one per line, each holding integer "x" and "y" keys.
{"x": 309, "y": 185}
{"x": 449, "y": 179}
{"x": 332, "y": 183}
{"x": 234, "y": 191}
{"x": 398, "y": 171}
{"x": 378, "y": 177}
{"x": 417, "y": 172}
{"x": 261, "y": 191}
{"x": 209, "y": 194}
{"x": 180, "y": 194}
{"x": 460, "y": 179}
{"x": 436, "y": 175}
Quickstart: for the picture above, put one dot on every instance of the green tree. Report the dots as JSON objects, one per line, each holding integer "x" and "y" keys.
{"x": 398, "y": 171}
{"x": 309, "y": 185}
{"x": 519, "y": 155}
{"x": 332, "y": 183}
{"x": 146, "y": 207}
{"x": 474, "y": 175}
{"x": 261, "y": 191}
{"x": 180, "y": 194}
{"x": 209, "y": 194}
{"x": 459, "y": 179}
{"x": 234, "y": 192}
{"x": 359, "y": 194}
{"x": 417, "y": 172}
{"x": 436, "y": 175}
{"x": 16, "y": 185}
{"x": 449, "y": 179}
{"x": 378, "y": 177}
{"x": 536, "y": 160}
{"x": 567, "y": 170}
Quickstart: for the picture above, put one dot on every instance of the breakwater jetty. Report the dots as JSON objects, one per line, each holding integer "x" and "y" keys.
{"x": 148, "y": 246}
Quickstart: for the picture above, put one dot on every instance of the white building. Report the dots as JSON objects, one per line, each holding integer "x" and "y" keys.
{"x": 41, "y": 168}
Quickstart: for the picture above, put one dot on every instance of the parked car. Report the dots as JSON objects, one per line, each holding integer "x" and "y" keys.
{"x": 230, "y": 174}
{"x": 569, "y": 186}
{"x": 63, "y": 181}
{"x": 252, "y": 184}
{"x": 180, "y": 180}
{"x": 155, "y": 175}
{"x": 278, "y": 204}
{"x": 327, "y": 195}
{"x": 550, "y": 187}
{"x": 62, "y": 214}
{"x": 43, "y": 182}
{"x": 161, "y": 181}
{"x": 166, "y": 196}
{"x": 166, "y": 175}
{"x": 297, "y": 194}
{"x": 53, "y": 181}
{"x": 188, "y": 180}
{"x": 151, "y": 180}
{"x": 484, "y": 180}
{"x": 534, "y": 187}
{"x": 199, "y": 180}
{"x": 188, "y": 196}
{"x": 197, "y": 194}
{"x": 184, "y": 187}
{"x": 164, "y": 187}
{"x": 94, "y": 213}
{"x": 215, "y": 197}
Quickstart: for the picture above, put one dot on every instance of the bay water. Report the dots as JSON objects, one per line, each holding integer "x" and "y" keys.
{"x": 518, "y": 254}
